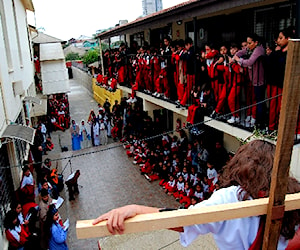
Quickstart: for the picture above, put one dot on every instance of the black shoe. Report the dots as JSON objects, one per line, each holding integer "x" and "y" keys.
{"x": 178, "y": 106}
{"x": 214, "y": 115}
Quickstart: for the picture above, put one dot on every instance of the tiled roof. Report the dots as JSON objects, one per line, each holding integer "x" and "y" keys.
{"x": 43, "y": 38}
{"x": 152, "y": 15}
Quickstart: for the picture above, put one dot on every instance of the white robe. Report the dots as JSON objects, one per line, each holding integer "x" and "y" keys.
{"x": 96, "y": 134}
{"x": 84, "y": 133}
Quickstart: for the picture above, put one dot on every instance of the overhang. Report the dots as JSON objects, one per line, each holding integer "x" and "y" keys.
{"x": 39, "y": 110}
{"x": 41, "y": 38}
{"x": 186, "y": 10}
{"x": 20, "y": 132}
{"x": 32, "y": 99}
{"x": 51, "y": 51}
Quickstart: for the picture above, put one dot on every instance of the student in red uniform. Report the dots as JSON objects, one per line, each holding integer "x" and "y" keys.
{"x": 185, "y": 197}
{"x": 14, "y": 231}
{"x": 222, "y": 84}
{"x": 27, "y": 186}
{"x": 174, "y": 65}
{"x": 166, "y": 64}
{"x": 181, "y": 72}
{"x": 236, "y": 80}
{"x": 179, "y": 187}
{"x": 212, "y": 56}
{"x": 212, "y": 175}
{"x": 195, "y": 95}
{"x": 188, "y": 57}
{"x": 155, "y": 71}
{"x": 121, "y": 64}
{"x": 170, "y": 186}
{"x": 275, "y": 69}
{"x": 199, "y": 192}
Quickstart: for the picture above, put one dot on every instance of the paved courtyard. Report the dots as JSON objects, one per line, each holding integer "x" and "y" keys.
{"x": 108, "y": 180}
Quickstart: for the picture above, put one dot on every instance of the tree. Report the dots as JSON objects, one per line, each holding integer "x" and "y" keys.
{"x": 72, "y": 56}
{"x": 90, "y": 57}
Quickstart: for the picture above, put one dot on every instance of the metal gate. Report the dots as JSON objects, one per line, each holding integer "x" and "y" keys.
{"x": 6, "y": 184}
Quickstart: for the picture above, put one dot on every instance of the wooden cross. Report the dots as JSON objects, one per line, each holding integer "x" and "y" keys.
{"x": 274, "y": 206}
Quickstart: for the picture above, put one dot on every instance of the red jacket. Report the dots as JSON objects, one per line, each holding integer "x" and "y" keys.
{"x": 13, "y": 241}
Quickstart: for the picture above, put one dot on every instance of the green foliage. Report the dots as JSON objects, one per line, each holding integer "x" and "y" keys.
{"x": 72, "y": 56}
{"x": 90, "y": 57}
{"x": 104, "y": 46}
{"x": 260, "y": 134}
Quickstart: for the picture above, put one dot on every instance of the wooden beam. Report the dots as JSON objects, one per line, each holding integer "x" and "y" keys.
{"x": 185, "y": 217}
{"x": 286, "y": 132}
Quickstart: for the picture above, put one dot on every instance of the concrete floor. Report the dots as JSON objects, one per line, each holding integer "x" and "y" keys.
{"x": 108, "y": 180}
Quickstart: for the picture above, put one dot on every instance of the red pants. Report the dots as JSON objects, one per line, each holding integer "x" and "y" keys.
{"x": 221, "y": 94}
{"x": 170, "y": 188}
{"x": 180, "y": 91}
{"x": 129, "y": 153}
{"x": 121, "y": 74}
{"x": 56, "y": 125}
{"x": 162, "y": 182}
{"x": 166, "y": 86}
{"x": 177, "y": 194}
{"x": 147, "y": 80}
{"x": 154, "y": 177}
{"x": 234, "y": 99}
{"x": 250, "y": 100}
{"x": 61, "y": 119}
{"x": 185, "y": 199}
{"x": 158, "y": 86}
{"x": 175, "y": 79}
{"x": 138, "y": 78}
{"x": 214, "y": 86}
{"x": 114, "y": 132}
{"x": 187, "y": 91}
{"x": 134, "y": 88}
{"x": 191, "y": 113}
{"x": 275, "y": 105}
{"x": 147, "y": 168}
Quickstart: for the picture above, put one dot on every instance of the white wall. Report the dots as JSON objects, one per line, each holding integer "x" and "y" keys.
{"x": 16, "y": 70}
{"x": 16, "y": 66}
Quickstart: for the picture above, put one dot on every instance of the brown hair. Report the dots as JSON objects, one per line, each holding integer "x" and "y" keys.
{"x": 251, "y": 169}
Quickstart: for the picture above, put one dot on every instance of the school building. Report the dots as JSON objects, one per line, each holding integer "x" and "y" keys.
{"x": 207, "y": 21}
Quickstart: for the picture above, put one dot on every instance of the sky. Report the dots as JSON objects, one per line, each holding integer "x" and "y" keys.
{"x": 65, "y": 19}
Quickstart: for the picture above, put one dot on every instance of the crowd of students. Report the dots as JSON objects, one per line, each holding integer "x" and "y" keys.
{"x": 33, "y": 221}
{"x": 237, "y": 74}
{"x": 187, "y": 169}
{"x": 58, "y": 112}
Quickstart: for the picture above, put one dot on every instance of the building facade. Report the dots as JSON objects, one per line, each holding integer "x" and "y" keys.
{"x": 208, "y": 22}
{"x": 16, "y": 86}
{"x": 151, "y": 6}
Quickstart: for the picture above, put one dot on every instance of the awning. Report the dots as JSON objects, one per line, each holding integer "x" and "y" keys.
{"x": 39, "y": 110}
{"x": 19, "y": 132}
{"x": 32, "y": 99}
